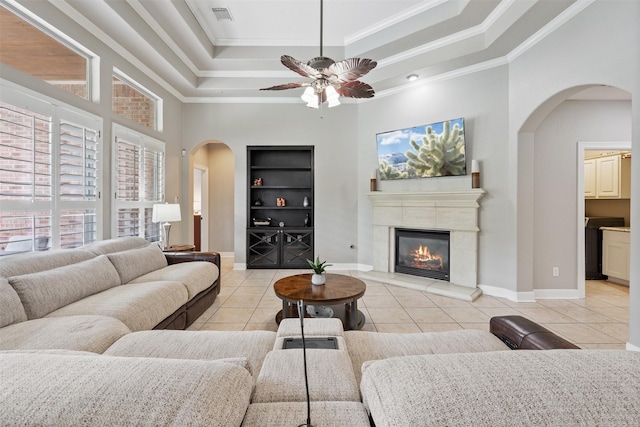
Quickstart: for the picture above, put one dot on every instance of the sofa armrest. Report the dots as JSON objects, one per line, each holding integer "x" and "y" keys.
{"x": 177, "y": 257}
{"x": 520, "y": 333}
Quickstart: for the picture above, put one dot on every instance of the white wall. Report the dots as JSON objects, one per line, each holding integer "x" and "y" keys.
{"x": 598, "y": 46}
{"x": 481, "y": 99}
{"x": 555, "y": 181}
{"x": 334, "y": 137}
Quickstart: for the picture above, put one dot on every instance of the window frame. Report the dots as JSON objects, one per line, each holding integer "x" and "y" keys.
{"x": 157, "y": 100}
{"x": 92, "y": 72}
{"x": 144, "y": 142}
{"x": 58, "y": 112}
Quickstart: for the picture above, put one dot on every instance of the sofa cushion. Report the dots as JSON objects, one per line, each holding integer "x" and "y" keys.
{"x": 363, "y": 346}
{"x": 118, "y": 244}
{"x": 34, "y": 262}
{"x": 140, "y": 306}
{"x": 323, "y": 414}
{"x": 282, "y": 377}
{"x": 83, "y": 333}
{"x": 45, "y": 291}
{"x": 551, "y": 387}
{"x": 195, "y": 276}
{"x": 11, "y": 309}
{"x": 59, "y": 390}
{"x": 208, "y": 345}
{"x": 136, "y": 262}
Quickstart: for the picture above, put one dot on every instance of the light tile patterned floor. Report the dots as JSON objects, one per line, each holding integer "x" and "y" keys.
{"x": 600, "y": 321}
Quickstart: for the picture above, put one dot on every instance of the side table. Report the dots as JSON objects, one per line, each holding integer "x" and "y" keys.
{"x": 340, "y": 292}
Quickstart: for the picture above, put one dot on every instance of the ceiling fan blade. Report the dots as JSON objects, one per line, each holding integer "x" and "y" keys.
{"x": 350, "y": 69}
{"x": 299, "y": 67}
{"x": 287, "y": 86}
{"x": 355, "y": 89}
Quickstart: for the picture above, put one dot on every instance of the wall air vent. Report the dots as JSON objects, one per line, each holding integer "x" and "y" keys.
{"x": 222, "y": 13}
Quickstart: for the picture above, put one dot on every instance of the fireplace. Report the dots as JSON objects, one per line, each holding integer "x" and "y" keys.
{"x": 422, "y": 253}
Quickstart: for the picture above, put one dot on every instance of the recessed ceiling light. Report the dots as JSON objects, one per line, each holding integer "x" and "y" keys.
{"x": 412, "y": 77}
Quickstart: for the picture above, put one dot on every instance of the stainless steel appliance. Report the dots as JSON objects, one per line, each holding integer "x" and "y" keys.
{"x": 593, "y": 244}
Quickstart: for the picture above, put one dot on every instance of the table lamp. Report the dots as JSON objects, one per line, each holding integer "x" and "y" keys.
{"x": 165, "y": 213}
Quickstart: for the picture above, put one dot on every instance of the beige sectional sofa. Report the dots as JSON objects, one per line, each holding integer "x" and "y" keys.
{"x": 226, "y": 379}
{"x": 77, "y": 348}
{"x": 87, "y": 298}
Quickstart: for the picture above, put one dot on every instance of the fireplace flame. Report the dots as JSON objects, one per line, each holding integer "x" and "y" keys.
{"x": 422, "y": 258}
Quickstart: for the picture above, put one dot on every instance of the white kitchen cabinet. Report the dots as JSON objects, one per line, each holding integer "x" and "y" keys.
{"x": 615, "y": 253}
{"x": 590, "y": 178}
{"x": 607, "y": 177}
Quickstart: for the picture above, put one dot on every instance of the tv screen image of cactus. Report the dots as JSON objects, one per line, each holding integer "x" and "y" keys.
{"x": 432, "y": 150}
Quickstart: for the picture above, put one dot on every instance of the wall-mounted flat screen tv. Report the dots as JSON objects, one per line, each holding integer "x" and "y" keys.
{"x": 436, "y": 149}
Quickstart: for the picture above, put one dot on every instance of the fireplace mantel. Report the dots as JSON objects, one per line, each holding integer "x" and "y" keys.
{"x": 455, "y": 211}
{"x": 456, "y": 198}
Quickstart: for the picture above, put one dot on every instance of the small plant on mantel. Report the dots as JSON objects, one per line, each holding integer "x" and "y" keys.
{"x": 318, "y": 268}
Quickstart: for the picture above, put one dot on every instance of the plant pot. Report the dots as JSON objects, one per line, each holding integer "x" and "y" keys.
{"x": 318, "y": 279}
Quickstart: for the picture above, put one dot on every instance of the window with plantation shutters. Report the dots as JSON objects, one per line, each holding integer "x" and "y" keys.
{"x": 49, "y": 175}
{"x": 78, "y": 184}
{"x": 139, "y": 183}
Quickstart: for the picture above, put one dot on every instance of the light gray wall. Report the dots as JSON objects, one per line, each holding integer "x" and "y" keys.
{"x": 333, "y": 134}
{"x": 589, "y": 49}
{"x": 221, "y": 197}
{"x": 481, "y": 98}
{"x": 555, "y": 181}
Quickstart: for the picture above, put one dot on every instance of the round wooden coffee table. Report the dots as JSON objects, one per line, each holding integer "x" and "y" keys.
{"x": 340, "y": 293}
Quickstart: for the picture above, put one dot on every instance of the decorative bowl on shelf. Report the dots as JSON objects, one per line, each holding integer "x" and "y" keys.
{"x": 261, "y": 222}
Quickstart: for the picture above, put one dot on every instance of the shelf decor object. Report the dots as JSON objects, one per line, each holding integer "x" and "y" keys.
{"x": 166, "y": 213}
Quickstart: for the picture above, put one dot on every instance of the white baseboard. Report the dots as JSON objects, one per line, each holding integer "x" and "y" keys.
{"x": 507, "y": 293}
{"x": 335, "y": 267}
{"x": 556, "y": 293}
{"x": 530, "y": 296}
{"x": 632, "y": 347}
{"x": 350, "y": 266}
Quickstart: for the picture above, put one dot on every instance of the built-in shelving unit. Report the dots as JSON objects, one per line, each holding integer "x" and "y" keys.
{"x": 279, "y": 206}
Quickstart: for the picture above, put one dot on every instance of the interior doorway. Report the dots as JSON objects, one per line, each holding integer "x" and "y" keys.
{"x": 582, "y": 148}
{"x": 201, "y": 207}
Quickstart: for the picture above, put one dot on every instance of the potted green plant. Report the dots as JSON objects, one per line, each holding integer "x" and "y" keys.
{"x": 318, "y": 268}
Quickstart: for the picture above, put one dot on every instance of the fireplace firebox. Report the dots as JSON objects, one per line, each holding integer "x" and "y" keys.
{"x": 422, "y": 253}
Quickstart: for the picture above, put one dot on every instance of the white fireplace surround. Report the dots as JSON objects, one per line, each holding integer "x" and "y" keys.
{"x": 455, "y": 211}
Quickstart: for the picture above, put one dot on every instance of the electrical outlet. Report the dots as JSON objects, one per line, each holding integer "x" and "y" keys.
{"x": 556, "y": 271}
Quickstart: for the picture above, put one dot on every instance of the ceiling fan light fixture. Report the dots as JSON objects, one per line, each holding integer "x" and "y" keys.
{"x": 313, "y": 102}
{"x": 332, "y": 96}
{"x": 331, "y": 79}
{"x": 309, "y": 94}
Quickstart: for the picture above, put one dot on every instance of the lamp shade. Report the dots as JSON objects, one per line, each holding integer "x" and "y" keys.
{"x": 166, "y": 212}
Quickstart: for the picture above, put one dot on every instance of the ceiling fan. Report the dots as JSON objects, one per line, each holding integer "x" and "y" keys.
{"x": 330, "y": 79}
